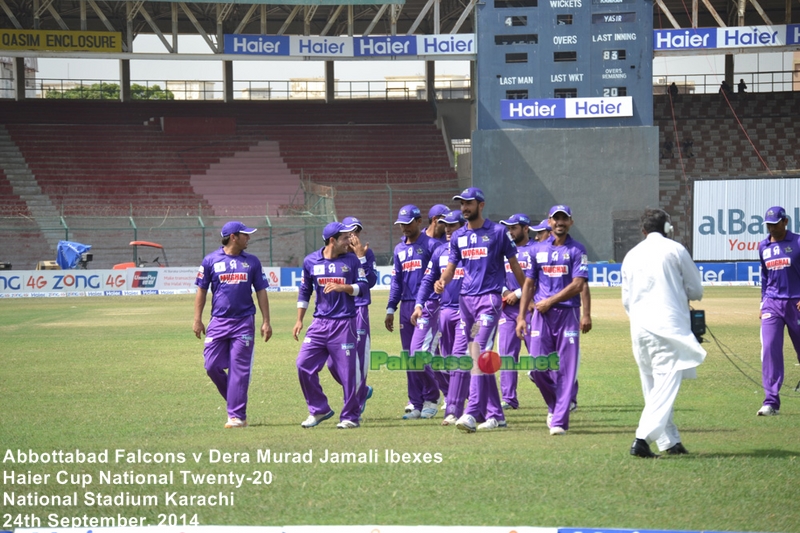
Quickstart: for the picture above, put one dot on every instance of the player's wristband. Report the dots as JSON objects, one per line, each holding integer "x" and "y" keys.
{"x": 518, "y": 293}
{"x": 389, "y": 311}
{"x": 356, "y": 289}
{"x": 302, "y": 305}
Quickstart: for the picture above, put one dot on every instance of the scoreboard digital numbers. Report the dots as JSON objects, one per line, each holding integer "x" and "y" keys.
{"x": 572, "y": 59}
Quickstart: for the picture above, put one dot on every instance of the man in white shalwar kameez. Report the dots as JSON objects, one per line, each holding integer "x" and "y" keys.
{"x": 658, "y": 280}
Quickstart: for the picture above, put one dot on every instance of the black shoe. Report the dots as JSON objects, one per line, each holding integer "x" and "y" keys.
{"x": 640, "y": 448}
{"x": 678, "y": 449}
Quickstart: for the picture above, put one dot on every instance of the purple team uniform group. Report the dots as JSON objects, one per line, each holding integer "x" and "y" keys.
{"x": 463, "y": 285}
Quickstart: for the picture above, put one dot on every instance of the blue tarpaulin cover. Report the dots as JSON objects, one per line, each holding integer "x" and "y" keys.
{"x": 69, "y": 253}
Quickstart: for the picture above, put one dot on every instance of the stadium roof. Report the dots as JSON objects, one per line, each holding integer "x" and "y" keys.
{"x": 330, "y": 17}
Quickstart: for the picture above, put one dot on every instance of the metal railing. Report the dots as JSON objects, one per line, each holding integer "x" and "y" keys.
{"x": 757, "y": 82}
{"x": 100, "y": 89}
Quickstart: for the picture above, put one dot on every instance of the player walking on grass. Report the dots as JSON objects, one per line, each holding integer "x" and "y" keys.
{"x": 411, "y": 256}
{"x": 508, "y": 342}
{"x": 232, "y": 274}
{"x": 479, "y": 247}
{"x": 780, "y": 303}
{"x": 336, "y": 276}
{"x": 556, "y": 280}
{"x": 442, "y": 309}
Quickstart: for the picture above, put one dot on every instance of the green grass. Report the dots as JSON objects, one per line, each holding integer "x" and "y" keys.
{"x": 127, "y": 373}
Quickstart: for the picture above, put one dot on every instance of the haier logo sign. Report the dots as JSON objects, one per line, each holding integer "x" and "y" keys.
{"x": 753, "y": 36}
{"x": 385, "y": 46}
{"x": 266, "y": 45}
{"x": 682, "y": 39}
{"x": 560, "y": 108}
{"x": 730, "y": 37}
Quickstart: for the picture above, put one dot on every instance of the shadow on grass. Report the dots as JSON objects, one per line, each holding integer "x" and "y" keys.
{"x": 752, "y": 453}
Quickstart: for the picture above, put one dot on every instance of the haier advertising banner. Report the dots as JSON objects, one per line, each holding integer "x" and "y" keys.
{"x": 349, "y": 47}
{"x": 729, "y": 216}
{"x": 730, "y": 37}
{"x": 561, "y": 108}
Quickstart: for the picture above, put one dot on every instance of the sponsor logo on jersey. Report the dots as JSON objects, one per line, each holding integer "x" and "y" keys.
{"x": 778, "y": 263}
{"x": 522, "y": 264}
{"x": 411, "y": 265}
{"x": 319, "y": 270}
{"x": 233, "y": 278}
{"x": 459, "y": 273}
{"x": 570, "y": 333}
{"x": 200, "y": 273}
{"x": 219, "y": 267}
{"x": 345, "y": 269}
{"x": 330, "y": 279}
{"x": 541, "y": 257}
{"x": 475, "y": 253}
{"x": 555, "y": 271}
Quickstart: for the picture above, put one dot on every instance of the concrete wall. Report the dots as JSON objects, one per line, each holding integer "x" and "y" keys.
{"x": 603, "y": 174}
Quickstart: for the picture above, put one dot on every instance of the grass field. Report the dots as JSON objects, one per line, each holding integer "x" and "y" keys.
{"x": 127, "y": 373}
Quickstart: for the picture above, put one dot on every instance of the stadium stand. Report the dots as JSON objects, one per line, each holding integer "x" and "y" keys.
{"x": 747, "y": 136}
{"x": 164, "y": 163}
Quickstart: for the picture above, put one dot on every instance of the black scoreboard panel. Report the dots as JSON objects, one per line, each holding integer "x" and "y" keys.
{"x": 540, "y": 50}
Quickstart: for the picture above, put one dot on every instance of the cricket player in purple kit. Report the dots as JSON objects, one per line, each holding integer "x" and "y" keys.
{"x": 426, "y": 317}
{"x": 434, "y": 229}
{"x": 559, "y": 273}
{"x": 232, "y": 275}
{"x": 780, "y": 303}
{"x": 480, "y": 247}
{"x": 411, "y": 256}
{"x": 507, "y": 341}
{"x": 337, "y": 277}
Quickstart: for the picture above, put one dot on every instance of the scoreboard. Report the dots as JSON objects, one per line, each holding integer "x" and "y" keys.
{"x": 564, "y": 63}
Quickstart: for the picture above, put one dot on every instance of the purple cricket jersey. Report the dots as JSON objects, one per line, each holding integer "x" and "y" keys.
{"x": 410, "y": 261}
{"x": 479, "y": 252}
{"x": 318, "y": 272}
{"x": 437, "y": 265}
{"x": 231, "y": 278}
{"x": 780, "y": 267}
{"x": 525, "y": 263}
{"x": 554, "y": 268}
{"x": 371, "y": 275}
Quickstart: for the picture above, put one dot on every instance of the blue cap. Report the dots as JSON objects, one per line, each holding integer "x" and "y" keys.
{"x": 542, "y": 226}
{"x": 453, "y": 217}
{"x": 407, "y": 214}
{"x": 332, "y": 229}
{"x": 352, "y": 223}
{"x": 775, "y": 215}
{"x": 471, "y": 193}
{"x": 560, "y": 209}
{"x": 520, "y": 218}
{"x": 438, "y": 210}
{"x": 235, "y": 226}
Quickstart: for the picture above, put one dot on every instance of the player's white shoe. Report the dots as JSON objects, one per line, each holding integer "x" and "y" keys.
{"x": 429, "y": 410}
{"x": 450, "y": 420}
{"x": 558, "y": 431}
{"x": 767, "y": 410}
{"x": 314, "y": 420}
{"x": 488, "y": 425}
{"x": 236, "y": 423}
{"x": 346, "y": 424}
{"x": 573, "y": 406}
{"x": 466, "y": 423}
{"x": 549, "y": 419}
{"x": 409, "y": 407}
{"x": 412, "y": 415}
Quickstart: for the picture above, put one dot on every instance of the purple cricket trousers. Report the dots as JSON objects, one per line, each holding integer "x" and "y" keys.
{"x": 509, "y": 344}
{"x": 335, "y": 338}
{"x": 484, "y": 400}
{"x": 422, "y": 386}
{"x": 229, "y": 344}
{"x": 775, "y": 315}
{"x": 558, "y": 331}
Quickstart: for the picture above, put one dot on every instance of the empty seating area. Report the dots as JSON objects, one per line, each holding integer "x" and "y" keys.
{"x": 754, "y": 136}
{"x": 107, "y": 159}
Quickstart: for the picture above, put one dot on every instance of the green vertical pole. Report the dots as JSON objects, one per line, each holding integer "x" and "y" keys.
{"x": 203, "y": 239}
{"x": 391, "y": 212}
